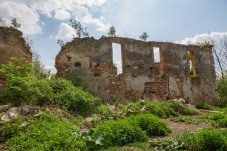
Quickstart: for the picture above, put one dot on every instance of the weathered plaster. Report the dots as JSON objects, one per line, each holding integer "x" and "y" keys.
{"x": 142, "y": 77}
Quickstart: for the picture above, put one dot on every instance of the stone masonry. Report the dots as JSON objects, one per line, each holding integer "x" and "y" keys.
{"x": 12, "y": 44}
{"x": 183, "y": 71}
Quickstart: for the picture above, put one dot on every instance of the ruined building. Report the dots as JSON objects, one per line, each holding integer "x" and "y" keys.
{"x": 12, "y": 44}
{"x": 183, "y": 71}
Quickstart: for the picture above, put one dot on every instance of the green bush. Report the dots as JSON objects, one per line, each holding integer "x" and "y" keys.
{"x": 153, "y": 125}
{"x": 26, "y": 90}
{"x": 205, "y": 140}
{"x": 221, "y": 122}
{"x": 168, "y": 108}
{"x": 16, "y": 68}
{"x": 116, "y": 132}
{"x": 214, "y": 116}
{"x": 160, "y": 109}
{"x": 222, "y": 89}
{"x": 46, "y": 133}
{"x": 72, "y": 98}
{"x": 204, "y": 106}
{"x": 181, "y": 109}
{"x": 128, "y": 130}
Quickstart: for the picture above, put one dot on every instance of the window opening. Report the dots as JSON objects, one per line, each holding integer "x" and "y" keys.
{"x": 117, "y": 57}
{"x": 156, "y": 53}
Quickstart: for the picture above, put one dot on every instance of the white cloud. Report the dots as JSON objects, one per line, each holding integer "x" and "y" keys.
{"x": 96, "y": 21}
{"x": 65, "y": 32}
{"x": 202, "y": 37}
{"x": 62, "y": 14}
{"x": 28, "y": 12}
{"x": 28, "y": 18}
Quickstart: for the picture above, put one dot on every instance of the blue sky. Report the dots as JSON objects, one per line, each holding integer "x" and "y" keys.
{"x": 182, "y": 21}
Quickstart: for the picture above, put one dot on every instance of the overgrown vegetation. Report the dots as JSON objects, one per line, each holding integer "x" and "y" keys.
{"x": 207, "y": 139}
{"x": 222, "y": 89}
{"x": 24, "y": 87}
{"x": 48, "y": 132}
{"x": 204, "y": 106}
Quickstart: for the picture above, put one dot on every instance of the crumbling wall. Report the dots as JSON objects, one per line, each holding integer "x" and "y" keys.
{"x": 182, "y": 72}
{"x": 12, "y": 44}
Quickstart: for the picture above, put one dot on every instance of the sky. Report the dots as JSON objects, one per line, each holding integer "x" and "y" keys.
{"x": 179, "y": 21}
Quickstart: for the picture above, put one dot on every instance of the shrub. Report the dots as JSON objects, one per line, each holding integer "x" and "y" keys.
{"x": 134, "y": 106}
{"x": 72, "y": 98}
{"x": 160, "y": 109}
{"x": 104, "y": 111}
{"x": 221, "y": 122}
{"x": 168, "y": 108}
{"x": 181, "y": 109}
{"x": 46, "y": 133}
{"x": 151, "y": 124}
{"x": 16, "y": 68}
{"x": 214, "y": 116}
{"x": 26, "y": 90}
{"x": 222, "y": 89}
{"x": 205, "y": 140}
{"x": 204, "y": 106}
{"x": 208, "y": 140}
{"x": 128, "y": 130}
{"x": 119, "y": 132}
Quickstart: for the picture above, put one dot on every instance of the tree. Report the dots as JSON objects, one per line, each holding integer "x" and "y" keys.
{"x": 15, "y": 23}
{"x": 80, "y": 30}
{"x": 144, "y": 36}
{"x": 60, "y": 42}
{"x": 112, "y": 32}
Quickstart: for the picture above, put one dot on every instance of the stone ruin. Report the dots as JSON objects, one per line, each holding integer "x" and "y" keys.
{"x": 12, "y": 44}
{"x": 182, "y": 72}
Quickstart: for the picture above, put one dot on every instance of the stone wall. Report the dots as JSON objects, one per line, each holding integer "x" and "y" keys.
{"x": 12, "y": 44}
{"x": 183, "y": 71}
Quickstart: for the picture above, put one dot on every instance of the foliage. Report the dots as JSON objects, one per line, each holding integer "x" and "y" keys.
{"x": 168, "y": 145}
{"x": 151, "y": 124}
{"x": 104, "y": 111}
{"x": 205, "y": 140}
{"x": 76, "y": 79}
{"x": 26, "y": 90}
{"x": 21, "y": 86}
{"x": 130, "y": 129}
{"x": 187, "y": 120}
{"x": 60, "y": 42}
{"x": 116, "y": 132}
{"x": 72, "y": 98}
{"x": 15, "y": 68}
{"x": 14, "y": 23}
{"x": 214, "y": 116}
{"x": 205, "y": 44}
{"x": 25, "y": 87}
{"x": 222, "y": 89}
{"x": 112, "y": 32}
{"x": 46, "y": 133}
{"x": 144, "y": 36}
{"x": 80, "y": 30}
{"x": 167, "y": 109}
{"x": 204, "y": 106}
{"x": 181, "y": 109}
{"x": 221, "y": 122}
